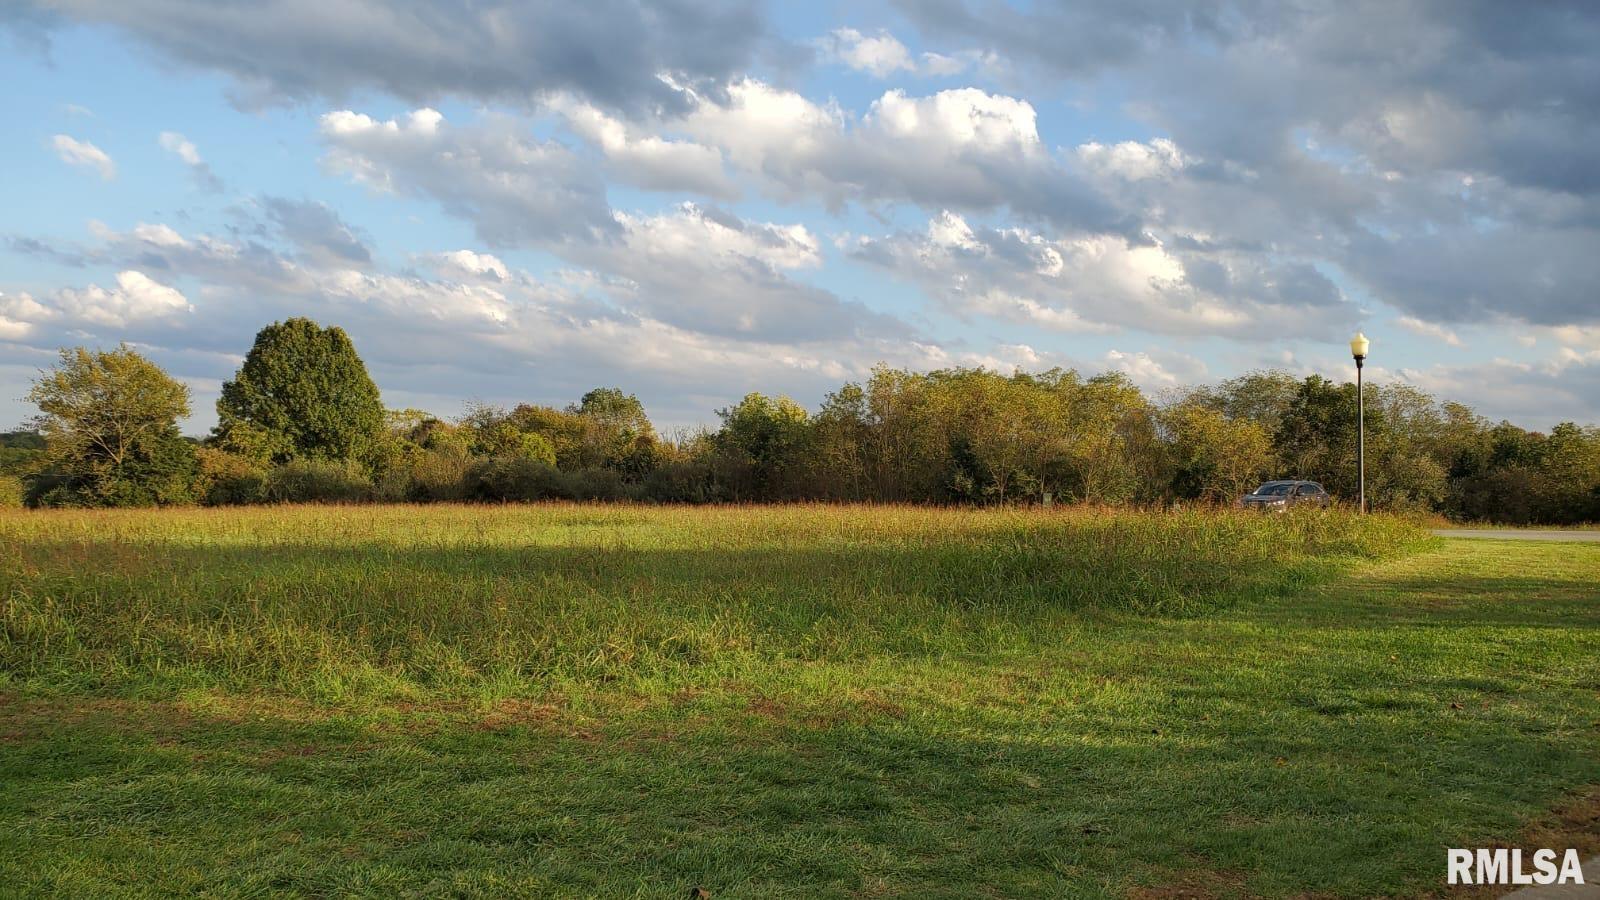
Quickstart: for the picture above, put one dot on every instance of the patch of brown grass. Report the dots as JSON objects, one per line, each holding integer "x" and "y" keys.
{"x": 1574, "y": 823}
{"x": 1194, "y": 884}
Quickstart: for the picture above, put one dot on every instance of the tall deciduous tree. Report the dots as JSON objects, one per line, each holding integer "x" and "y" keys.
{"x": 1116, "y": 453}
{"x": 770, "y": 436}
{"x": 302, "y": 393}
{"x": 110, "y": 424}
{"x": 620, "y": 433}
{"x": 617, "y": 410}
{"x": 1316, "y": 435}
{"x": 1214, "y": 457}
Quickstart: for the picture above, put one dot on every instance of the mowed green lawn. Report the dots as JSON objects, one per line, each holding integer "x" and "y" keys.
{"x": 806, "y": 701}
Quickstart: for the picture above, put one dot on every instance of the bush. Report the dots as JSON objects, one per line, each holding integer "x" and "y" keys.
{"x": 509, "y": 478}
{"x": 10, "y": 491}
{"x": 228, "y": 479}
{"x": 514, "y": 478}
{"x": 50, "y": 490}
{"x": 440, "y": 474}
{"x": 688, "y": 479}
{"x": 427, "y": 475}
{"x": 598, "y": 484}
{"x": 159, "y": 470}
{"x": 318, "y": 481}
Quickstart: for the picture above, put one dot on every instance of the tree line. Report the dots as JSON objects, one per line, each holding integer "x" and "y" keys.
{"x": 303, "y": 421}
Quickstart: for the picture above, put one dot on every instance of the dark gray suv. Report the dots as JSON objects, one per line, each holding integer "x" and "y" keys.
{"x": 1280, "y": 495}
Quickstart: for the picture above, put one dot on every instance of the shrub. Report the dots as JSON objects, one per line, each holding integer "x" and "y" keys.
{"x": 317, "y": 480}
{"x": 597, "y": 484}
{"x": 10, "y": 491}
{"x": 514, "y": 478}
{"x": 51, "y": 489}
{"x": 439, "y": 474}
{"x": 427, "y": 475}
{"x": 228, "y": 479}
{"x": 506, "y": 478}
{"x": 157, "y": 471}
{"x": 688, "y": 479}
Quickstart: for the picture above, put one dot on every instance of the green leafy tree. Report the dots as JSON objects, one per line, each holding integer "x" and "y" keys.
{"x": 619, "y": 434}
{"x": 841, "y": 433}
{"x": 1215, "y": 458}
{"x": 1316, "y": 435}
{"x": 302, "y": 393}
{"x": 1407, "y": 467}
{"x": 1008, "y": 435}
{"x": 1408, "y": 456}
{"x": 21, "y": 453}
{"x": 1572, "y": 465}
{"x": 618, "y": 411}
{"x": 907, "y": 445}
{"x": 534, "y": 433}
{"x": 110, "y": 425}
{"x": 504, "y": 440}
{"x": 1115, "y": 446}
{"x": 570, "y": 434}
{"x": 1462, "y": 441}
{"x": 768, "y": 436}
{"x": 1260, "y": 396}
{"x": 436, "y": 434}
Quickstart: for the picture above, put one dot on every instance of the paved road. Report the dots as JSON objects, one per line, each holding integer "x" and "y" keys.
{"x": 1518, "y": 534}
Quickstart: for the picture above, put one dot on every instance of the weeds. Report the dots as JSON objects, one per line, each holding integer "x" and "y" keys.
{"x": 452, "y": 600}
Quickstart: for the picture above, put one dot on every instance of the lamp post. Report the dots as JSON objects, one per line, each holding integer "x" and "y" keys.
{"x": 1358, "y": 349}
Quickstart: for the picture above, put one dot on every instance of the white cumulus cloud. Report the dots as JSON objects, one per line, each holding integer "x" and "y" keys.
{"x": 511, "y": 185}
{"x": 647, "y": 160}
{"x": 185, "y": 150}
{"x": 1100, "y": 282}
{"x": 1132, "y": 160}
{"x": 470, "y": 264}
{"x": 962, "y": 148}
{"x": 180, "y": 146}
{"x": 136, "y": 298}
{"x": 74, "y": 152}
{"x": 1429, "y": 329}
{"x": 880, "y": 55}
{"x": 1156, "y": 371}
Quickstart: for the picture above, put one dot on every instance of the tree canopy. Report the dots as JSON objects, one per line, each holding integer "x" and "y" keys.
{"x": 109, "y": 420}
{"x": 303, "y": 420}
{"x": 302, "y": 393}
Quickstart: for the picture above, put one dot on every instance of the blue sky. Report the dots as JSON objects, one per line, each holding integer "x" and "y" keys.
{"x": 515, "y": 203}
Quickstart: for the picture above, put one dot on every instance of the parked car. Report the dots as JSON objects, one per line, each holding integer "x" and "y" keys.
{"x": 1280, "y": 495}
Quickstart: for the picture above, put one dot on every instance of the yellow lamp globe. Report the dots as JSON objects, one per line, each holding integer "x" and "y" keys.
{"x": 1358, "y": 346}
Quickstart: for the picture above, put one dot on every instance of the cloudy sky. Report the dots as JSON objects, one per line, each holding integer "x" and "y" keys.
{"x": 517, "y": 200}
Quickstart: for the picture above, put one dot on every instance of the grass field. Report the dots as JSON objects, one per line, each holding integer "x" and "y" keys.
{"x": 805, "y": 701}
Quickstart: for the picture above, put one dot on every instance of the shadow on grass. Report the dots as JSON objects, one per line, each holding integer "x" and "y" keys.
{"x": 1254, "y": 751}
{"x": 757, "y": 803}
{"x": 1453, "y": 601}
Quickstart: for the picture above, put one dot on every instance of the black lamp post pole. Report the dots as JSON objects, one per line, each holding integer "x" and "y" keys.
{"x": 1361, "y": 440}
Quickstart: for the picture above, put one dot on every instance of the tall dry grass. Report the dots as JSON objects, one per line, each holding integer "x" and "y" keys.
{"x": 335, "y": 602}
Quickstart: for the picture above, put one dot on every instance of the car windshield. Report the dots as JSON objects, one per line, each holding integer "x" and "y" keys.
{"x": 1275, "y": 489}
